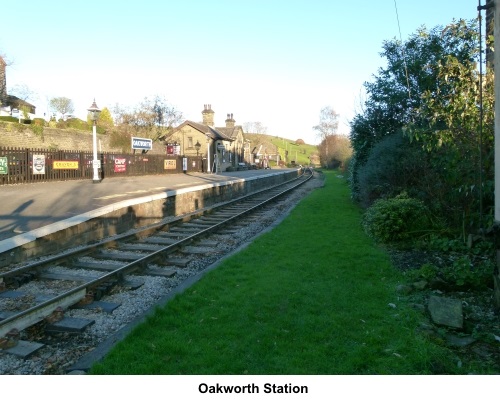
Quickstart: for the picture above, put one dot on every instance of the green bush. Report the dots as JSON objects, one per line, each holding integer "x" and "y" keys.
{"x": 37, "y": 128}
{"x": 76, "y": 123}
{"x": 8, "y": 118}
{"x": 465, "y": 273}
{"x": 394, "y": 165}
{"x": 396, "y": 219}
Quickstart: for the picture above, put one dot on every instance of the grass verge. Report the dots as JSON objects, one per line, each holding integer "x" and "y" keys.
{"x": 314, "y": 296}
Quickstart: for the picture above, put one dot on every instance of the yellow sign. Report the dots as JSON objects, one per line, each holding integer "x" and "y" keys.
{"x": 65, "y": 164}
{"x": 170, "y": 164}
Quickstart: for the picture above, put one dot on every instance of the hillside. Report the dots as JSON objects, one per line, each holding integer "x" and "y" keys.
{"x": 301, "y": 154}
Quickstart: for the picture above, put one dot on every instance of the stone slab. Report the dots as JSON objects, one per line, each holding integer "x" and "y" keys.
{"x": 446, "y": 311}
{"x": 138, "y": 247}
{"x": 70, "y": 325}
{"x": 160, "y": 272}
{"x": 125, "y": 256}
{"x": 177, "y": 262}
{"x": 203, "y": 250}
{"x": 160, "y": 240}
{"x": 24, "y": 349}
{"x": 12, "y": 294}
{"x": 97, "y": 266}
{"x": 207, "y": 243}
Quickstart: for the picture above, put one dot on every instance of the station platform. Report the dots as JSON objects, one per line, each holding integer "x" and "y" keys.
{"x": 28, "y": 207}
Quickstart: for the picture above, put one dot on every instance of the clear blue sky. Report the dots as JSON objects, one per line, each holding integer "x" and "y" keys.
{"x": 273, "y": 61}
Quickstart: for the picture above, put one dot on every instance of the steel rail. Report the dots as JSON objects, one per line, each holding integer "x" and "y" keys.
{"x": 35, "y": 314}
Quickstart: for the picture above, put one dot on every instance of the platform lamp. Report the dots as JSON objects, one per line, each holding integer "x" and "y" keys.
{"x": 197, "y": 146}
{"x": 208, "y": 151}
{"x": 96, "y": 164}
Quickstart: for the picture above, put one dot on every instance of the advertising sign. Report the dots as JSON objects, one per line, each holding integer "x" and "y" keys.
{"x": 170, "y": 164}
{"x": 38, "y": 164}
{"x": 120, "y": 165}
{"x": 4, "y": 168}
{"x": 65, "y": 164}
{"x": 173, "y": 149}
{"x": 142, "y": 143}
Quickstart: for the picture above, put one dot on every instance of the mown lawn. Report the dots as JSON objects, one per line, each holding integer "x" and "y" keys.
{"x": 313, "y": 296}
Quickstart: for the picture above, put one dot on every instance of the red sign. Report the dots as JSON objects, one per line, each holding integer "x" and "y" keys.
{"x": 120, "y": 165}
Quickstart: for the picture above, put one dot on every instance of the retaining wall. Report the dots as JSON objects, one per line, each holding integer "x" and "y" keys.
{"x": 117, "y": 218}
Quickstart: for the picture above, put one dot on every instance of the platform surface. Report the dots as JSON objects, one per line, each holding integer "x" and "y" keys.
{"x": 26, "y": 207}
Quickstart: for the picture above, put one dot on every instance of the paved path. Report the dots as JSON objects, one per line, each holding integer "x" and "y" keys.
{"x": 26, "y": 207}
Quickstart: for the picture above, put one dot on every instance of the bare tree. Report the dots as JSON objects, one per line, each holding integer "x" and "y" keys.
{"x": 62, "y": 105}
{"x": 152, "y": 118}
{"x": 23, "y": 92}
{"x": 328, "y": 123}
{"x": 327, "y": 127}
{"x": 254, "y": 128}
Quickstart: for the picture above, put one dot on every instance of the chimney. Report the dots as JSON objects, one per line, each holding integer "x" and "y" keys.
{"x": 208, "y": 115}
{"x": 230, "y": 121}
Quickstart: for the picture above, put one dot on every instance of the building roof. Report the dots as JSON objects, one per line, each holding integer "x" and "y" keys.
{"x": 231, "y": 132}
{"x": 214, "y": 133}
{"x": 18, "y": 102}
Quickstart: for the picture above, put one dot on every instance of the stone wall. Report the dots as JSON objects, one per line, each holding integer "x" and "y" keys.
{"x": 110, "y": 220}
{"x": 59, "y": 139}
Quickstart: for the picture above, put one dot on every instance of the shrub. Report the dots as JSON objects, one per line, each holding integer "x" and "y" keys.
{"x": 39, "y": 121}
{"x": 394, "y": 165}
{"x": 38, "y": 130}
{"x": 465, "y": 273}
{"x": 78, "y": 124}
{"x": 8, "y": 118}
{"x": 396, "y": 219}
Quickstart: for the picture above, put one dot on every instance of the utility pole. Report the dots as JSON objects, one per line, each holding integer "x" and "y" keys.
{"x": 496, "y": 67}
{"x": 495, "y": 4}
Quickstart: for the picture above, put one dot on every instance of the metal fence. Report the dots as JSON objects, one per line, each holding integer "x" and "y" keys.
{"x": 20, "y": 165}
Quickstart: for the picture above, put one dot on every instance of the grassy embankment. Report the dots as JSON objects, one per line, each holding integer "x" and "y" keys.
{"x": 309, "y": 297}
{"x": 298, "y": 153}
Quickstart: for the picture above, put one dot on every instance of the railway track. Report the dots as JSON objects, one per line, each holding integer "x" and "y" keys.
{"x": 83, "y": 277}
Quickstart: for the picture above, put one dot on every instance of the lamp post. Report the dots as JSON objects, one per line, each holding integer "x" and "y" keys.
{"x": 197, "y": 146}
{"x": 96, "y": 164}
{"x": 208, "y": 152}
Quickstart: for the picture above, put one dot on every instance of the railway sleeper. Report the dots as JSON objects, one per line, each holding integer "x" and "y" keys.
{"x": 207, "y": 220}
{"x": 117, "y": 255}
{"x": 137, "y": 247}
{"x": 195, "y": 225}
{"x": 98, "y": 266}
{"x": 161, "y": 240}
{"x": 69, "y": 325}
